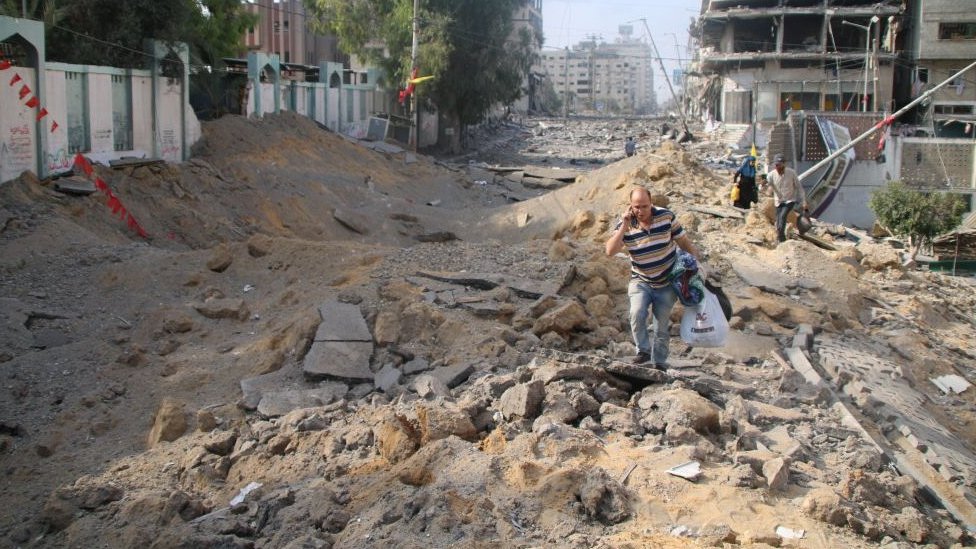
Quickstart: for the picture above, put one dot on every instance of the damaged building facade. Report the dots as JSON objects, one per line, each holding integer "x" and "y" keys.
{"x": 603, "y": 77}
{"x": 803, "y": 78}
{"x": 758, "y": 60}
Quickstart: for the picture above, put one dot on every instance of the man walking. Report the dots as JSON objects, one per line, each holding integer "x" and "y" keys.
{"x": 651, "y": 237}
{"x": 787, "y": 191}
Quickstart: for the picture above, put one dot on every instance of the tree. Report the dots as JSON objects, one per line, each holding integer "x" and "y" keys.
{"x": 467, "y": 45}
{"x": 112, "y": 32}
{"x": 919, "y": 217}
{"x": 218, "y": 34}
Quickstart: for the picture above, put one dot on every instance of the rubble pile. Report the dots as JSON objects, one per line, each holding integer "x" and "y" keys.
{"x": 291, "y": 379}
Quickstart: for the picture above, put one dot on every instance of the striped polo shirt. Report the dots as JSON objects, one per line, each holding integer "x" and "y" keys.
{"x": 652, "y": 250}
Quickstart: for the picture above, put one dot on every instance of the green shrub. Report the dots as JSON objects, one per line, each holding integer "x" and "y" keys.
{"x": 920, "y": 217}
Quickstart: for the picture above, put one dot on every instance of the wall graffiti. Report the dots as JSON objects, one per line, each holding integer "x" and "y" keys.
{"x": 169, "y": 145}
{"x": 17, "y": 150}
{"x": 59, "y": 161}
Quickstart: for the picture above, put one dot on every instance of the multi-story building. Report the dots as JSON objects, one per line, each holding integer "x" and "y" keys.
{"x": 282, "y": 29}
{"x": 760, "y": 59}
{"x": 940, "y": 152}
{"x": 942, "y": 40}
{"x": 604, "y": 77}
{"x": 528, "y": 18}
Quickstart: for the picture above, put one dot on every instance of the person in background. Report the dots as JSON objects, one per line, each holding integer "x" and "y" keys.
{"x": 651, "y": 237}
{"x": 787, "y": 191}
{"x": 630, "y": 147}
{"x": 745, "y": 178}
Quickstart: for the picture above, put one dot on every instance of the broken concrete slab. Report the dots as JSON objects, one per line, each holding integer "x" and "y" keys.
{"x": 279, "y": 403}
{"x": 552, "y": 173}
{"x": 690, "y": 470}
{"x": 951, "y": 383}
{"x": 383, "y": 147}
{"x": 415, "y": 366}
{"x": 342, "y": 359}
{"x": 353, "y": 221}
{"x": 453, "y": 375}
{"x": 729, "y": 213}
{"x": 74, "y": 185}
{"x": 756, "y": 274}
{"x": 342, "y": 322}
{"x": 530, "y": 289}
{"x": 387, "y": 378}
{"x": 632, "y": 372}
{"x": 542, "y": 183}
{"x": 287, "y": 378}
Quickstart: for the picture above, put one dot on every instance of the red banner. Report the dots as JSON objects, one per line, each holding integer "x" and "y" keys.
{"x": 113, "y": 201}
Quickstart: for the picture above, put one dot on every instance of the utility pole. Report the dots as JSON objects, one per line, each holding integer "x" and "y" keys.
{"x": 414, "y": 118}
{"x": 591, "y": 64}
{"x": 674, "y": 97}
{"x": 867, "y": 58}
{"x": 566, "y": 87}
{"x": 876, "y": 74}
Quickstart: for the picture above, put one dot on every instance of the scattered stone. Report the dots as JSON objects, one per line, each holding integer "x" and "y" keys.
{"x": 428, "y": 386}
{"x": 777, "y": 474}
{"x": 233, "y": 308}
{"x": 387, "y": 378}
{"x": 220, "y": 259}
{"x": 169, "y": 423}
{"x": 563, "y": 319}
{"x": 522, "y": 400}
{"x": 452, "y": 376}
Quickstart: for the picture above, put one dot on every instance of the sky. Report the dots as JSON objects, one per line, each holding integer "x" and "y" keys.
{"x": 567, "y": 22}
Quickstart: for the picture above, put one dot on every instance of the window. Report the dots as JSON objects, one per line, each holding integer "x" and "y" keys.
{"x": 959, "y": 81}
{"x": 957, "y": 31}
{"x": 953, "y": 109}
{"x": 922, "y": 75}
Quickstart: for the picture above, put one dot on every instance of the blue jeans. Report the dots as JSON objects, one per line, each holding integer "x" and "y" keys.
{"x": 660, "y": 300}
{"x": 782, "y": 212}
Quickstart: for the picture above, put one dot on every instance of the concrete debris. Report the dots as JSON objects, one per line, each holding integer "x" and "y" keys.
{"x": 789, "y": 533}
{"x": 461, "y": 374}
{"x": 951, "y": 384}
{"x": 689, "y": 470}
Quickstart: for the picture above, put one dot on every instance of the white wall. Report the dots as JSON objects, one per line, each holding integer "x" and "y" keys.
{"x": 142, "y": 133}
{"x": 18, "y": 136}
{"x": 57, "y": 159}
{"x": 169, "y": 103}
{"x": 100, "y": 112}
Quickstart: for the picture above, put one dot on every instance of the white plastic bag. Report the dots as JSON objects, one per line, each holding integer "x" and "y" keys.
{"x": 705, "y": 325}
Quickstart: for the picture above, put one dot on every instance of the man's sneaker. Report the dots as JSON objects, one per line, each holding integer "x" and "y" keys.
{"x": 663, "y": 366}
{"x": 641, "y": 358}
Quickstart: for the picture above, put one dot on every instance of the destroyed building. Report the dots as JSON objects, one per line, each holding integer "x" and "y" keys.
{"x": 804, "y": 78}
{"x": 761, "y": 59}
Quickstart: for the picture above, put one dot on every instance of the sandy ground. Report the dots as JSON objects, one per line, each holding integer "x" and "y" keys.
{"x": 102, "y": 340}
